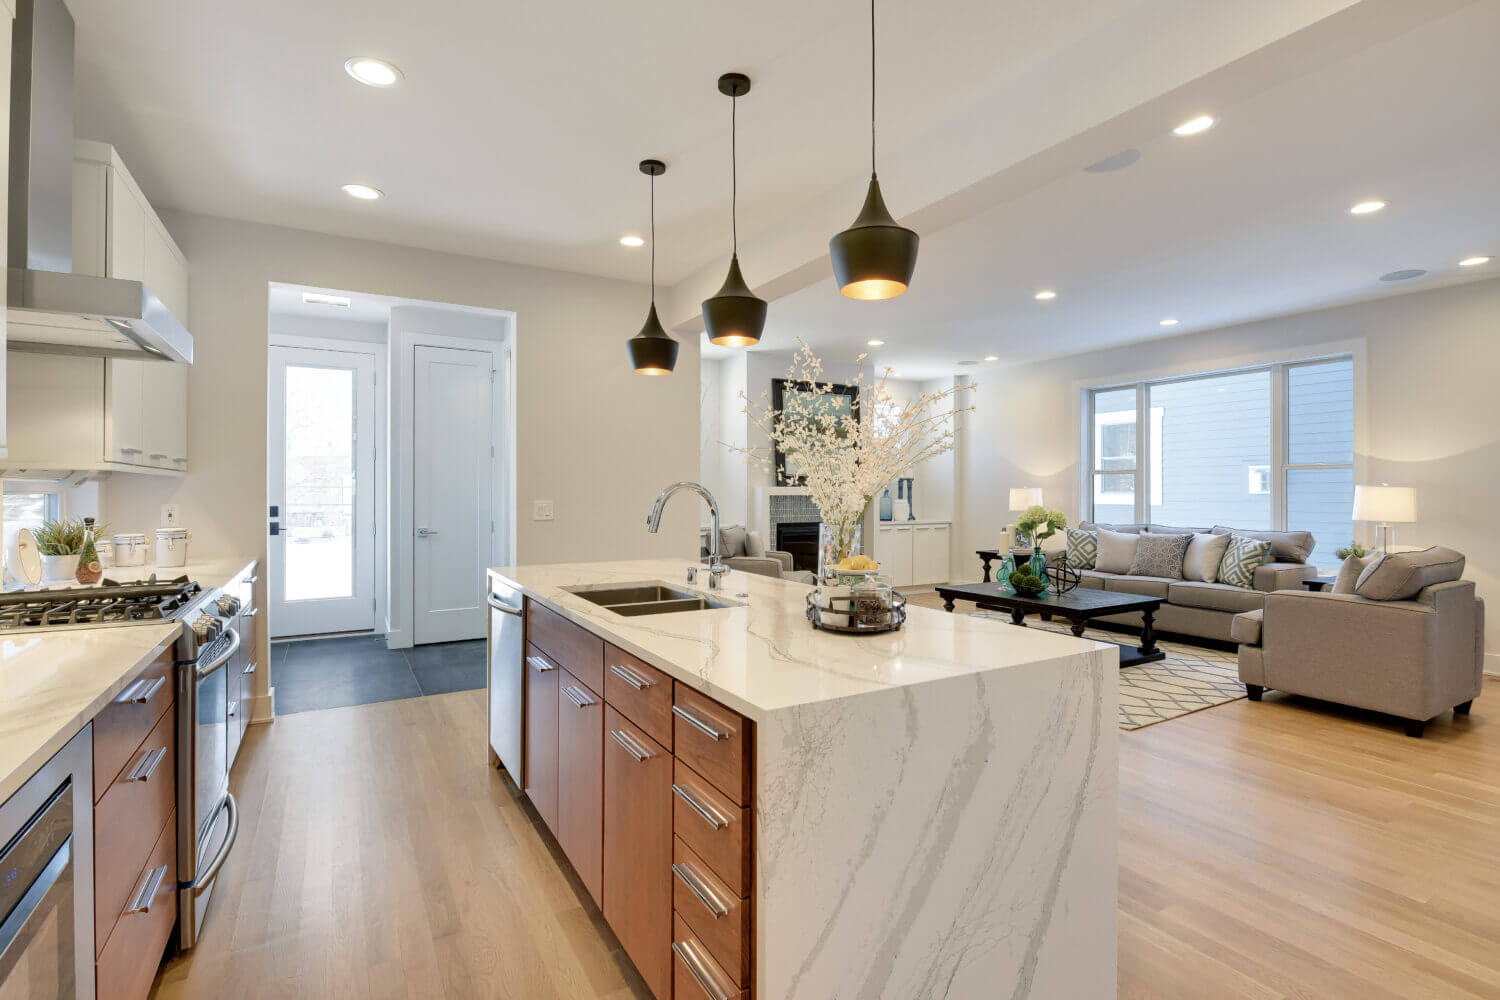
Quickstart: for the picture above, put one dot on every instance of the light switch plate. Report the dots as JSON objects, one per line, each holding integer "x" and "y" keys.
{"x": 171, "y": 516}
{"x": 541, "y": 510}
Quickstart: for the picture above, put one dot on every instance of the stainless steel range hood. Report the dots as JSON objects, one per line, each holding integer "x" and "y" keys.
{"x": 48, "y": 307}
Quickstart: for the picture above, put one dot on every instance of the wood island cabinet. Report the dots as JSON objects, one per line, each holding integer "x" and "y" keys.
{"x": 541, "y": 735}
{"x": 638, "y": 848}
{"x": 580, "y": 780}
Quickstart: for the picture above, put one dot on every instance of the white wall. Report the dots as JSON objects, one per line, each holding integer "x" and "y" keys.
{"x": 722, "y": 422}
{"x": 597, "y": 439}
{"x": 314, "y": 328}
{"x": 1426, "y": 416}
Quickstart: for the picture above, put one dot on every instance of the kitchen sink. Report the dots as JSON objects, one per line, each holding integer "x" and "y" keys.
{"x": 650, "y": 598}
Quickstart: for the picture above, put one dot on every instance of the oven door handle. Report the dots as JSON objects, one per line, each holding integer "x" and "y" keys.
{"x": 28, "y": 903}
{"x": 204, "y": 669}
{"x": 202, "y": 882}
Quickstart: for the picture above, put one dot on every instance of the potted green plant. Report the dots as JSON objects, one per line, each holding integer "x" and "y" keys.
{"x": 1040, "y": 523}
{"x": 59, "y": 543}
{"x": 1352, "y": 549}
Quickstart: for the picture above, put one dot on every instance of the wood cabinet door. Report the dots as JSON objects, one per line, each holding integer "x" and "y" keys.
{"x": 541, "y": 735}
{"x": 123, "y": 402}
{"x": 580, "y": 780}
{"x": 638, "y": 848}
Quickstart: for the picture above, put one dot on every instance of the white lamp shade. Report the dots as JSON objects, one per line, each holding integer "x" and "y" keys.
{"x": 1022, "y": 497}
{"x": 1385, "y": 504}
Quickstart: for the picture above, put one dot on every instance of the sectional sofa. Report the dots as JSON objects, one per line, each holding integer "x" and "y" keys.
{"x": 1207, "y": 610}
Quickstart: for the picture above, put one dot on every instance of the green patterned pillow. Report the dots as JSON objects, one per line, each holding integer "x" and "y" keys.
{"x": 1083, "y": 548}
{"x": 1243, "y": 557}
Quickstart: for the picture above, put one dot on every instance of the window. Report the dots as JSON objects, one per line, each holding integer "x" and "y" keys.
{"x": 1203, "y": 448}
{"x": 27, "y": 510}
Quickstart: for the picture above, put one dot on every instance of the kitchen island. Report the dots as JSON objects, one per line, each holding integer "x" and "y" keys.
{"x": 925, "y": 813}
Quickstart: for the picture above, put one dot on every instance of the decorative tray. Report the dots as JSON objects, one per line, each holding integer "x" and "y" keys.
{"x": 842, "y": 614}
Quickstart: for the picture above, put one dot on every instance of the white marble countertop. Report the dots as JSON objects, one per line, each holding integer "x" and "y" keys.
{"x": 763, "y": 657}
{"x": 52, "y": 683}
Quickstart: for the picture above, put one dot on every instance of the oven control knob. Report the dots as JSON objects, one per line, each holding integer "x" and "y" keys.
{"x": 228, "y": 606}
{"x": 206, "y": 628}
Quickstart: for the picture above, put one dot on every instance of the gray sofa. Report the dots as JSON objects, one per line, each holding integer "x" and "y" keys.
{"x": 735, "y": 548}
{"x": 1412, "y": 649}
{"x": 1206, "y": 610}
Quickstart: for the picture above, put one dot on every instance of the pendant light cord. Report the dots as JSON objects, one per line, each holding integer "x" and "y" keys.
{"x": 653, "y": 241}
{"x": 872, "y": 88}
{"x": 734, "y": 176}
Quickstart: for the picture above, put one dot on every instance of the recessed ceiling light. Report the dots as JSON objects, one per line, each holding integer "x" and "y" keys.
{"x": 992, "y": 357}
{"x": 875, "y": 343}
{"x": 363, "y": 192}
{"x": 1169, "y": 321}
{"x": 632, "y": 241}
{"x": 1045, "y": 296}
{"x": 323, "y": 299}
{"x": 1367, "y": 207}
{"x": 1196, "y": 126}
{"x": 372, "y": 72}
{"x": 1473, "y": 261}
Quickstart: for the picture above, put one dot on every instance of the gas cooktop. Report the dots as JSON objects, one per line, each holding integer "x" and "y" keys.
{"x": 109, "y": 603}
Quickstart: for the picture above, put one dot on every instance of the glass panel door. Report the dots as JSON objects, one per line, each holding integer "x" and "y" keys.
{"x": 321, "y": 483}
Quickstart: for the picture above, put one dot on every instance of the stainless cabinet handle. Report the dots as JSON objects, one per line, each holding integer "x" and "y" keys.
{"x": 249, "y": 579}
{"x": 130, "y": 451}
{"x": 141, "y": 691}
{"x": 250, "y": 612}
{"x": 250, "y": 667}
{"x": 699, "y": 724}
{"x": 710, "y": 816}
{"x": 695, "y": 882}
{"x": 630, "y": 677}
{"x": 234, "y": 709}
{"x": 541, "y": 665}
{"x": 577, "y": 697}
{"x": 158, "y": 454}
{"x": 695, "y": 965}
{"x": 147, "y": 765}
{"x": 633, "y": 748}
{"x": 145, "y": 895}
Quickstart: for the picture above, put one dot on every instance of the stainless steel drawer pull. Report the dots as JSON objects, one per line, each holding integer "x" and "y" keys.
{"x": 250, "y": 612}
{"x": 141, "y": 691}
{"x": 710, "y": 816}
{"x": 158, "y": 454}
{"x": 577, "y": 697}
{"x": 147, "y": 765}
{"x": 541, "y": 665}
{"x": 702, "y": 726}
{"x": 250, "y": 667}
{"x": 633, "y": 748}
{"x": 145, "y": 895}
{"x": 130, "y": 451}
{"x": 690, "y": 958}
{"x": 630, "y": 677}
{"x": 705, "y": 895}
{"x": 234, "y": 709}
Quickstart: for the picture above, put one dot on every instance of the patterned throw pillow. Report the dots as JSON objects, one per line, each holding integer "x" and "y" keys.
{"x": 1160, "y": 556}
{"x": 1083, "y": 548}
{"x": 1243, "y": 557}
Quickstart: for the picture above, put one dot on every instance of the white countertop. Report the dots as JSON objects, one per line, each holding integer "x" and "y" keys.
{"x": 52, "y": 683}
{"x": 764, "y": 657}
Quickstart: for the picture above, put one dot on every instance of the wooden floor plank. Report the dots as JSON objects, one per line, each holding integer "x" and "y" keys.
{"x": 1282, "y": 849}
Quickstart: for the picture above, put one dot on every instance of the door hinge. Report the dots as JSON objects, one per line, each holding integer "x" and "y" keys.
{"x": 492, "y": 376}
{"x": 492, "y": 527}
{"x": 374, "y": 604}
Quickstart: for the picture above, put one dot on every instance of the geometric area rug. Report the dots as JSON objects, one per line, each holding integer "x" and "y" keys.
{"x": 1189, "y": 680}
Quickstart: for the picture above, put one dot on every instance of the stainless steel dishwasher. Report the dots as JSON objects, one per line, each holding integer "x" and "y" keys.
{"x": 506, "y": 672}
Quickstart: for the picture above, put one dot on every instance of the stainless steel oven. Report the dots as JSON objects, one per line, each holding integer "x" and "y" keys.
{"x": 47, "y": 880}
{"x": 207, "y": 818}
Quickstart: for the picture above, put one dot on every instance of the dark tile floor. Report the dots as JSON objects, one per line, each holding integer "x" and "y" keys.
{"x": 357, "y": 670}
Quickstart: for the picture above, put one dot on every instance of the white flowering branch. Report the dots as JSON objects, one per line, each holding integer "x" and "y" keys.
{"x": 848, "y": 460}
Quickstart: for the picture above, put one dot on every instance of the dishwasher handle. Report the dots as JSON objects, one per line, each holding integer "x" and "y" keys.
{"x": 495, "y": 603}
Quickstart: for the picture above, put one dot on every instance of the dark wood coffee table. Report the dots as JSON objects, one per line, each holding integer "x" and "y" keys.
{"x": 1078, "y": 606}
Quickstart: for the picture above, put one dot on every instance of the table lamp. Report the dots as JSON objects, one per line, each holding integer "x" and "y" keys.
{"x": 1385, "y": 505}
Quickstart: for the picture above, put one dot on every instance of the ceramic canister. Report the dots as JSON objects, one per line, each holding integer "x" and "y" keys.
{"x": 172, "y": 546}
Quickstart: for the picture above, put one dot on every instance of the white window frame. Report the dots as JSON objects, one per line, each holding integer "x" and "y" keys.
{"x": 1146, "y": 456}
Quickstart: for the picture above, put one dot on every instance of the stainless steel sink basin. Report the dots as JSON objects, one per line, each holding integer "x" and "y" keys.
{"x": 650, "y": 598}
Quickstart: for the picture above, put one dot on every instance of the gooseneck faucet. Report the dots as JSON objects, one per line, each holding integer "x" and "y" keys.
{"x": 716, "y": 567}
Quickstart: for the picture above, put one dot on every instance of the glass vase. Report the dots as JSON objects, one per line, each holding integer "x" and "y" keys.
{"x": 835, "y": 544}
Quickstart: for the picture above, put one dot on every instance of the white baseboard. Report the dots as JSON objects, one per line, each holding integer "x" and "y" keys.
{"x": 263, "y": 708}
{"x": 398, "y": 639}
{"x": 1492, "y": 664}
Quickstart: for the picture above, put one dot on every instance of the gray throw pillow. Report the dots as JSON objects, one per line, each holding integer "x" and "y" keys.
{"x": 1116, "y": 551}
{"x": 1286, "y": 546}
{"x": 1160, "y": 556}
{"x": 732, "y": 541}
{"x": 754, "y": 547}
{"x": 1397, "y": 576}
{"x": 1167, "y": 529}
{"x": 1129, "y": 529}
{"x": 1349, "y": 571}
{"x": 1204, "y": 553}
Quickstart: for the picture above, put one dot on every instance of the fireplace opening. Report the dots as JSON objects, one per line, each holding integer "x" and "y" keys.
{"x": 801, "y": 540}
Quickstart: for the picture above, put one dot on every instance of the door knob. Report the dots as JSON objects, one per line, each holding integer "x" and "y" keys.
{"x": 424, "y": 532}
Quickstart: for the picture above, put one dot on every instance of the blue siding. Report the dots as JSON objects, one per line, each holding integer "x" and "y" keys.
{"x": 1213, "y": 430}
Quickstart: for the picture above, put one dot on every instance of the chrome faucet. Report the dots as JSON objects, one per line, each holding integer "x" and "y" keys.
{"x": 716, "y": 567}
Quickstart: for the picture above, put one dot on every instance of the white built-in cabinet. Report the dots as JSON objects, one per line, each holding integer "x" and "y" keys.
{"x": 110, "y": 413}
{"x": 913, "y": 553}
{"x": 7, "y": 15}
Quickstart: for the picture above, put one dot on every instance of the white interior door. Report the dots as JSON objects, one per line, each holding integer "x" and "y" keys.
{"x": 321, "y": 483}
{"x": 453, "y": 492}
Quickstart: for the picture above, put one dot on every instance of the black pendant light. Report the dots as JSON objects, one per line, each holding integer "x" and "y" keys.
{"x": 734, "y": 317}
{"x": 875, "y": 257}
{"x": 653, "y": 351}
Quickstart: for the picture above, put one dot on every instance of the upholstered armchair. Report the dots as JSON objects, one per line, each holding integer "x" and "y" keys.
{"x": 1409, "y": 656}
{"x": 742, "y": 550}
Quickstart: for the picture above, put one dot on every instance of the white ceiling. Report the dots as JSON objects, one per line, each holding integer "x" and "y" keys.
{"x": 1246, "y": 221}
{"x": 285, "y": 301}
{"x": 517, "y": 129}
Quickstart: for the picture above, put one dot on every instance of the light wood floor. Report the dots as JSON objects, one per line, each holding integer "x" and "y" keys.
{"x": 1282, "y": 849}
